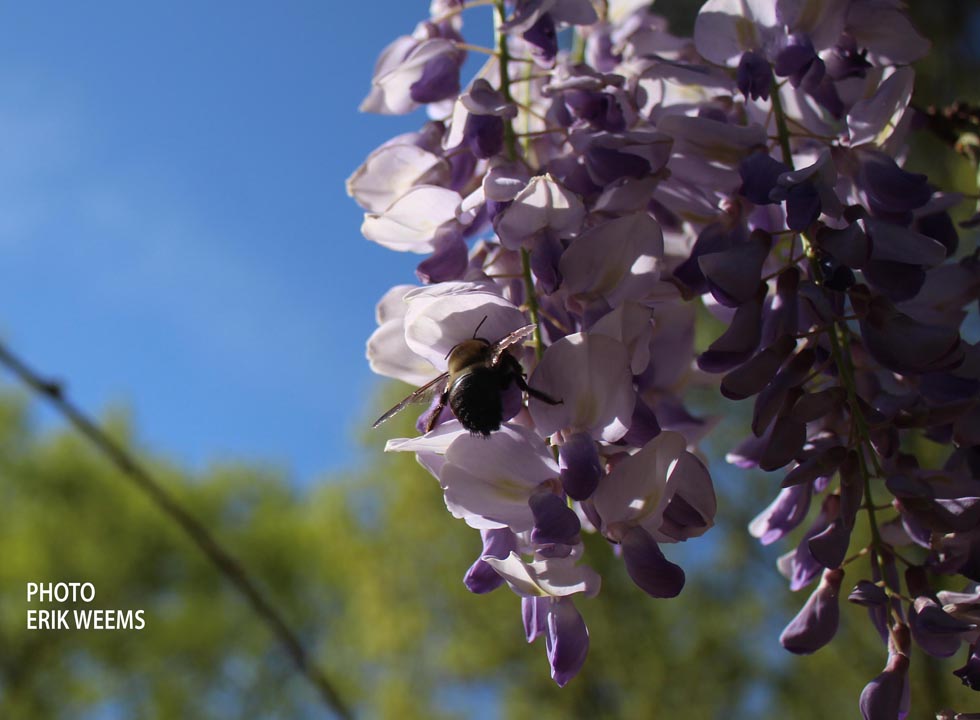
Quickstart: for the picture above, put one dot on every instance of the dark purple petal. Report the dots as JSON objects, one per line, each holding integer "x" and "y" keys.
{"x": 785, "y": 442}
{"x": 481, "y": 578}
{"x": 754, "y": 75}
{"x": 439, "y": 80}
{"x": 733, "y": 275}
{"x": 713, "y": 238}
{"x": 939, "y": 226}
{"x": 448, "y": 262}
{"x": 567, "y": 640}
{"x": 579, "y": 466}
{"x": 783, "y": 515}
{"x": 881, "y": 698}
{"x": 816, "y": 623}
{"x": 647, "y": 566}
{"x": 542, "y": 39}
{"x": 752, "y": 376}
{"x": 644, "y": 426}
{"x": 484, "y": 134}
{"x": 534, "y": 612}
{"x": 759, "y": 172}
{"x": 819, "y": 464}
{"x": 781, "y": 315}
{"x": 772, "y": 399}
{"x": 739, "y": 341}
{"x": 970, "y": 673}
{"x": 554, "y": 522}
{"x": 868, "y": 594}
{"x": 904, "y": 344}
{"x": 891, "y": 191}
{"x": 802, "y": 206}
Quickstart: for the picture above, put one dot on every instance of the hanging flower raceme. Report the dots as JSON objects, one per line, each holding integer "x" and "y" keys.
{"x": 572, "y": 206}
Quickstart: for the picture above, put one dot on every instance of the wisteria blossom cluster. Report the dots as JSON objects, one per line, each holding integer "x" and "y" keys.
{"x": 597, "y": 178}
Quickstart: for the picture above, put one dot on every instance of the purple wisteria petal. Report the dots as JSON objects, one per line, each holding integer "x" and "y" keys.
{"x": 618, "y": 260}
{"x": 534, "y": 612}
{"x": 890, "y": 190}
{"x": 733, "y": 275}
{"x": 567, "y": 640}
{"x": 874, "y": 119}
{"x": 754, "y": 75}
{"x": 783, "y": 515}
{"x": 554, "y": 521}
{"x": 885, "y": 30}
{"x": 591, "y": 375}
{"x": 410, "y": 72}
{"x": 868, "y": 594}
{"x": 739, "y": 341}
{"x": 935, "y": 631}
{"x": 756, "y": 373}
{"x": 488, "y": 481}
{"x": 648, "y": 568}
{"x": 881, "y": 698}
{"x": 816, "y": 623}
{"x": 481, "y": 578}
{"x": 447, "y": 262}
{"x": 580, "y": 466}
{"x": 904, "y": 345}
{"x": 894, "y": 243}
{"x": 970, "y": 672}
{"x": 690, "y": 512}
{"x": 640, "y": 486}
{"x": 759, "y": 172}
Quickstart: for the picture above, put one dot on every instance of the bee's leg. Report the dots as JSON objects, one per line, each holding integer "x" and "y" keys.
{"x": 537, "y": 394}
{"x": 436, "y": 411}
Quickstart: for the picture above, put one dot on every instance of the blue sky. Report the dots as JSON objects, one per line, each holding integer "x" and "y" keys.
{"x": 175, "y": 237}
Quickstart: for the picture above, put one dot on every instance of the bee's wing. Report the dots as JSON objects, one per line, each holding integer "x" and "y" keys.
{"x": 423, "y": 394}
{"x": 515, "y": 337}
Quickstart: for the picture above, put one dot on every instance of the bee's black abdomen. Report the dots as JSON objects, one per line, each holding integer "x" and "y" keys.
{"x": 475, "y": 400}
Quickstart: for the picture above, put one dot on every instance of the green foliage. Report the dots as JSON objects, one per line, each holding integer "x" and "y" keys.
{"x": 368, "y": 568}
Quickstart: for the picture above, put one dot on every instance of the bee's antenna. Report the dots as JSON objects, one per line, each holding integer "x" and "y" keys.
{"x": 479, "y": 326}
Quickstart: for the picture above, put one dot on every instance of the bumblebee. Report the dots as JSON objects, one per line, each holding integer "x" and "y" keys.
{"x": 473, "y": 386}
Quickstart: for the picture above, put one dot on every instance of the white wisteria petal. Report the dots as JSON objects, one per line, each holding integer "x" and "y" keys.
{"x": 548, "y": 577}
{"x": 639, "y": 486}
{"x": 591, "y": 375}
{"x": 875, "y": 119}
{"x": 390, "y": 171}
{"x": 441, "y": 316}
{"x": 630, "y": 323}
{"x": 387, "y": 352}
{"x": 415, "y": 220}
{"x": 724, "y": 29}
{"x": 544, "y": 203}
{"x": 490, "y": 480}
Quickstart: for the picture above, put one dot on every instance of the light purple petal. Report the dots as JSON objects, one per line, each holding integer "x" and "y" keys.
{"x": 591, "y": 375}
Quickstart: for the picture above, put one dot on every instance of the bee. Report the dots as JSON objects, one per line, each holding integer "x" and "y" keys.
{"x": 479, "y": 373}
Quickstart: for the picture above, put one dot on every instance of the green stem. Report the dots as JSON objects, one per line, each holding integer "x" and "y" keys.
{"x": 532, "y": 302}
{"x": 840, "y": 349}
{"x": 510, "y": 139}
{"x": 510, "y": 145}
